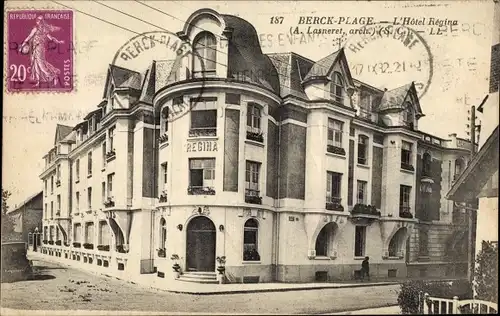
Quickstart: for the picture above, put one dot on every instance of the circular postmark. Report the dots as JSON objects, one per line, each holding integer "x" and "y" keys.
{"x": 153, "y": 60}
{"x": 384, "y": 54}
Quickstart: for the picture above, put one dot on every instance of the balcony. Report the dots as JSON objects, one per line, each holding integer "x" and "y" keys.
{"x": 255, "y": 136}
{"x": 200, "y": 190}
{"x": 110, "y": 202}
{"x": 163, "y": 138}
{"x": 365, "y": 114}
{"x": 253, "y": 196}
{"x": 404, "y": 212}
{"x": 203, "y": 132}
{"x": 163, "y": 197}
{"x": 335, "y": 150}
{"x": 110, "y": 155}
{"x": 88, "y": 246}
{"x": 362, "y": 209}
{"x": 334, "y": 204}
{"x": 103, "y": 247}
{"x": 407, "y": 166}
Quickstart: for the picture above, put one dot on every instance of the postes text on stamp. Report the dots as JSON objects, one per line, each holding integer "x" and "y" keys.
{"x": 40, "y": 54}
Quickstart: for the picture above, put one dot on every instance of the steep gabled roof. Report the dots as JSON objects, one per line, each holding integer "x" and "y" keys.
{"x": 395, "y": 98}
{"x": 61, "y": 132}
{"x": 479, "y": 170}
{"x": 324, "y": 67}
{"x": 122, "y": 78}
{"x": 28, "y": 200}
{"x": 291, "y": 69}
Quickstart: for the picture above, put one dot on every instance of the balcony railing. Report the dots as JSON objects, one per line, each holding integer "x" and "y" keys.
{"x": 88, "y": 246}
{"x": 163, "y": 197}
{"x": 334, "y": 204}
{"x": 200, "y": 132}
{"x": 110, "y": 155}
{"x": 103, "y": 247}
{"x": 200, "y": 190}
{"x": 58, "y": 242}
{"x": 77, "y": 244}
{"x": 404, "y": 212}
{"x": 255, "y": 136}
{"x": 407, "y": 166}
{"x": 335, "y": 150}
{"x": 110, "y": 202}
{"x": 365, "y": 114}
{"x": 362, "y": 209}
{"x": 253, "y": 196}
{"x": 163, "y": 138}
{"x": 51, "y": 242}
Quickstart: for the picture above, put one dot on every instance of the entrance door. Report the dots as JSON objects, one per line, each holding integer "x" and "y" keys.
{"x": 200, "y": 245}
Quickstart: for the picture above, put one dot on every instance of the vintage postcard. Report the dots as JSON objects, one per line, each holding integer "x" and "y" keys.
{"x": 250, "y": 157}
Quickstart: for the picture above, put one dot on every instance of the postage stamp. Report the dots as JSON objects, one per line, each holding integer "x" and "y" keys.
{"x": 40, "y": 54}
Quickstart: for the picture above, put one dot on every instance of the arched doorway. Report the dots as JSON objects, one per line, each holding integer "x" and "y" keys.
{"x": 397, "y": 242}
{"x": 200, "y": 244}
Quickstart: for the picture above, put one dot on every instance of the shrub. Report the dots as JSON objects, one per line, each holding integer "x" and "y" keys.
{"x": 486, "y": 274}
{"x": 410, "y": 302}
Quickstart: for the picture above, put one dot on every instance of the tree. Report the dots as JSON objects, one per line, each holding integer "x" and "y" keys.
{"x": 7, "y": 221}
{"x": 486, "y": 274}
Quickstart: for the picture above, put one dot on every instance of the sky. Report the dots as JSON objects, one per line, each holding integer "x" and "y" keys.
{"x": 459, "y": 55}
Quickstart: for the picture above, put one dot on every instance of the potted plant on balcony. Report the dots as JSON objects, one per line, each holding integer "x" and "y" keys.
{"x": 109, "y": 202}
{"x": 162, "y": 252}
{"x": 58, "y": 242}
{"x": 77, "y": 244}
{"x": 110, "y": 154}
{"x": 45, "y": 241}
{"x": 51, "y": 242}
{"x": 221, "y": 268}
{"x": 176, "y": 266}
{"x": 103, "y": 247}
{"x": 88, "y": 246}
{"x": 163, "y": 197}
{"x": 163, "y": 138}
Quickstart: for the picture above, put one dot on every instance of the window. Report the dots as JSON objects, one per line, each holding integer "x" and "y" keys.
{"x": 408, "y": 115}
{"x": 250, "y": 241}
{"x": 77, "y": 232}
{"x": 89, "y": 198}
{"x": 58, "y": 203}
{"x": 396, "y": 243}
{"x": 360, "y": 241}
{"x": 423, "y": 241}
{"x": 337, "y": 87}
{"x": 51, "y": 230}
{"x": 253, "y": 118}
{"x": 205, "y": 56}
{"x": 203, "y": 117}
{"x": 103, "y": 192}
{"x": 89, "y": 163}
{"x": 426, "y": 164}
{"x": 46, "y": 211}
{"x": 104, "y": 233}
{"x": 202, "y": 172}
{"x": 404, "y": 199}
{"x": 91, "y": 125}
{"x": 46, "y": 187}
{"x": 104, "y": 150}
{"x": 324, "y": 240}
{"x": 459, "y": 166}
{"x": 335, "y": 129}
{"x": 77, "y": 202}
{"x": 89, "y": 232}
{"x": 163, "y": 233}
{"x": 406, "y": 149}
{"x": 333, "y": 186}
{"x": 232, "y": 98}
{"x": 111, "y": 136}
{"x": 252, "y": 178}
{"x": 362, "y": 192}
{"x": 52, "y": 210}
{"x": 77, "y": 170}
{"x": 164, "y": 172}
{"x": 51, "y": 184}
{"x": 58, "y": 172}
{"x": 165, "y": 115}
{"x": 365, "y": 104}
{"x": 362, "y": 150}
{"x": 110, "y": 185}
{"x": 57, "y": 233}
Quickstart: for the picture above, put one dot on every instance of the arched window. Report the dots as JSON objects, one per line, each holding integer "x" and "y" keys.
{"x": 408, "y": 115}
{"x": 426, "y": 164}
{"x": 397, "y": 242}
{"x": 250, "y": 241}
{"x": 324, "y": 241}
{"x": 337, "y": 87}
{"x": 163, "y": 238}
{"x": 362, "y": 150}
{"x": 459, "y": 167}
{"x": 205, "y": 56}
{"x": 423, "y": 238}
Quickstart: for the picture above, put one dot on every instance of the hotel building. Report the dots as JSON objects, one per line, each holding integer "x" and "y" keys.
{"x": 290, "y": 168}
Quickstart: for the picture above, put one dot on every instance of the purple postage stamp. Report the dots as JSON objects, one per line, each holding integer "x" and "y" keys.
{"x": 40, "y": 54}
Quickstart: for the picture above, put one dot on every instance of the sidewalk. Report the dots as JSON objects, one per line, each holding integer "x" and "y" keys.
{"x": 390, "y": 310}
{"x": 175, "y": 286}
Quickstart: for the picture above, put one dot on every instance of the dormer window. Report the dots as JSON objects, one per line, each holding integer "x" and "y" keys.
{"x": 426, "y": 164}
{"x": 408, "y": 115}
{"x": 111, "y": 98}
{"x": 205, "y": 56}
{"x": 365, "y": 102}
{"x": 337, "y": 87}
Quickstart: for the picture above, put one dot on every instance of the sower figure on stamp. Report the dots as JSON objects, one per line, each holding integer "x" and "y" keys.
{"x": 365, "y": 269}
{"x": 36, "y": 44}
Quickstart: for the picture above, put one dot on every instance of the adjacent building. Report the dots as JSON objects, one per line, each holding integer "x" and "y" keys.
{"x": 27, "y": 216}
{"x": 290, "y": 168}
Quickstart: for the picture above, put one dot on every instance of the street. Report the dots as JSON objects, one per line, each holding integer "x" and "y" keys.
{"x": 59, "y": 288}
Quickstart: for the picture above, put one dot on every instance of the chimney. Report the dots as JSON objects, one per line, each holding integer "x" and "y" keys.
{"x": 453, "y": 138}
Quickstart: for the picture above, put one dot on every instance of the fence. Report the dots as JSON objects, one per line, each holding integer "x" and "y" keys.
{"x": 436, "y": 305}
